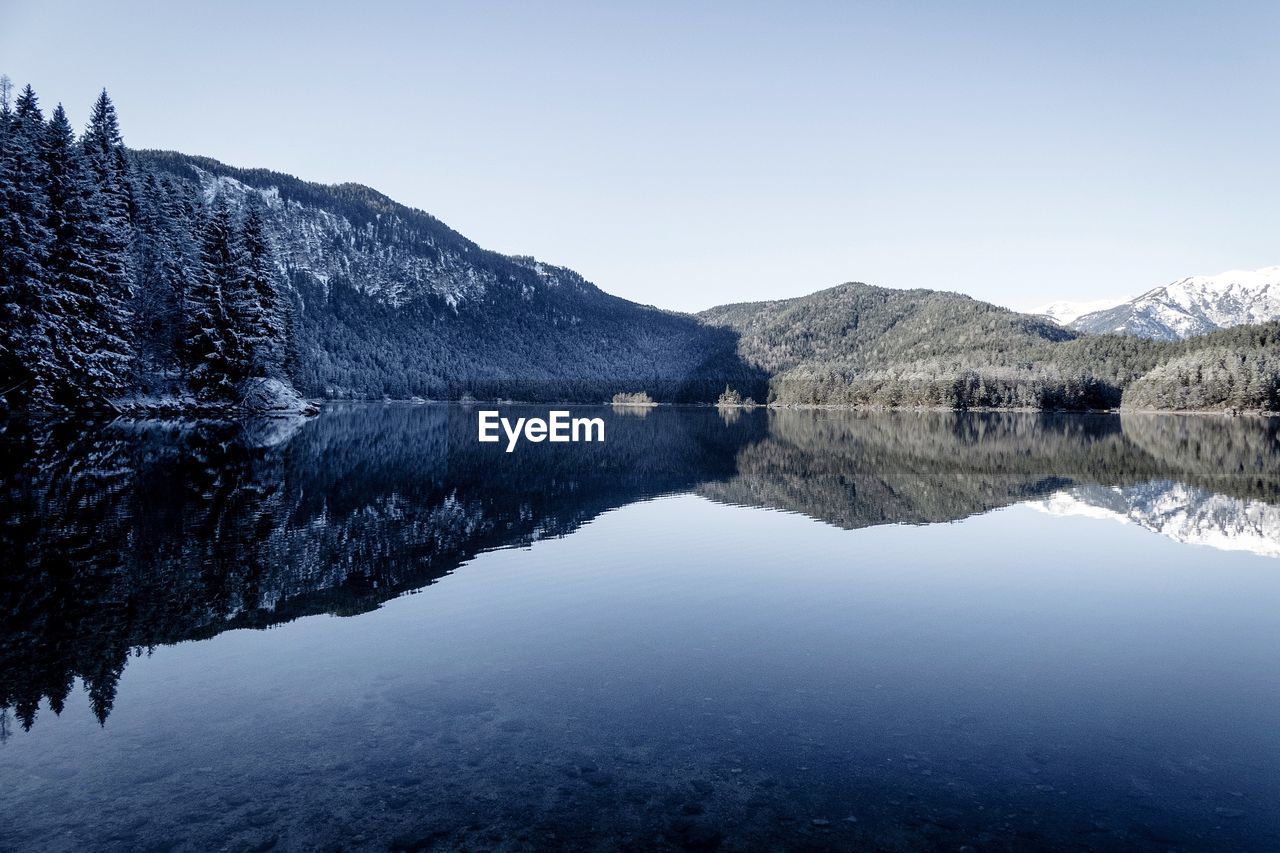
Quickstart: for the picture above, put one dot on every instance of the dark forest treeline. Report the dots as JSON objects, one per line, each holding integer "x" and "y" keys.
{"x": 116, "y": 282}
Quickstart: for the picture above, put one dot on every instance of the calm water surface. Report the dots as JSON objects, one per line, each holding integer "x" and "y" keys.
{"x": 778, "y": 630}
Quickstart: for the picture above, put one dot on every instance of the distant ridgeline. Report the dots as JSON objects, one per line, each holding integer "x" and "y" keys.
{"x": 147, "y": 280}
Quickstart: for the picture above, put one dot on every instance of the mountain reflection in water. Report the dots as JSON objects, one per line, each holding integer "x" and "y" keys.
{"x": 125, "y": 538}
{"x": 738, "y": 629}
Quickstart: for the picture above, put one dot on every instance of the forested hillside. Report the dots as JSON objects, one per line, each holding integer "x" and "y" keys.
{"x": 861, "y": 345}
{"x": 390, "y": 301}
{"x": 862, "y": 327}
{"x": 1238, "y": 367}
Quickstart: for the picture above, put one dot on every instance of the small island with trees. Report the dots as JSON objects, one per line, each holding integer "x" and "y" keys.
{"x": 633, "y": 398}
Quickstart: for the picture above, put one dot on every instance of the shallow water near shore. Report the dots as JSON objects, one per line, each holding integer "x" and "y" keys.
{"x": 715, "y": 630}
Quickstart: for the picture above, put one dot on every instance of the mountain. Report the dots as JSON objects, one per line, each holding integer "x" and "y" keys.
{"x": 1192, "y": 306}
{"x": 1064, "y": 313}
{"x": 859, "y": 325}
{"x": 857, "y": 344}
{"x": 156, "y": 282}
{"x": 870, "y": 346}
{"x": 391, "y": 301}
{"x": 150, "y": 282}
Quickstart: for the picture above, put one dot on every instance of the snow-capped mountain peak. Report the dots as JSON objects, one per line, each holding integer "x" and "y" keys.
{"x": 1064, "y": 313}
{"x": 1192, "y": 306}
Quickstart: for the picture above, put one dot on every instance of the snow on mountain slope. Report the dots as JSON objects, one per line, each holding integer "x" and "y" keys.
{"x": 1180, "y": 512}
{"x": 1193, "y": 306}
{"x": 387, "y": 258}
{"x": 391, "y": 301}
{"x": 1064, "y": 313}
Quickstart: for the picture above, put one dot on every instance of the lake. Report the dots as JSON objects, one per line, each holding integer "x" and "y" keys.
{"x": 735, "y": 630}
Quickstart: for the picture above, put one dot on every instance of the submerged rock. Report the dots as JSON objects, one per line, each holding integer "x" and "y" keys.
{"x": 268, "y": 431}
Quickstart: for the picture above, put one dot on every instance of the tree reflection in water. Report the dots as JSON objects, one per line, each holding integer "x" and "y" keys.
{"x": 119, "y": 539}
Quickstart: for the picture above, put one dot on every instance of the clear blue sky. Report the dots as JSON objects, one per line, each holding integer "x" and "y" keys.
{"x": 688, "y": 154}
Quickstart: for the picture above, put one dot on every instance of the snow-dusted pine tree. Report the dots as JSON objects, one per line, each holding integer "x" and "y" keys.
{"x": 256, "y": 305}
{"x": 71, "y": 320}
{"x": 24, "y": 242}
{"x": 213, "y": 365}
{"x": 108, "y": 172}
{"x": 161, "y": 277}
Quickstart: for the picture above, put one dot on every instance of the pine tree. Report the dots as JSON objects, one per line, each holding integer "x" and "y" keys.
{"x": 6, "y": 107}
{"x": 111, "y": 198}
{"x": 182, "y": 209}
{"x": 256, "y": 305}
{"x": 73, "y": 310}
{"x": 161, "y": 276}
{"x": 292, "y": 366}
{"x": 24, "y": 243}
{"x": 210, "y": 344}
